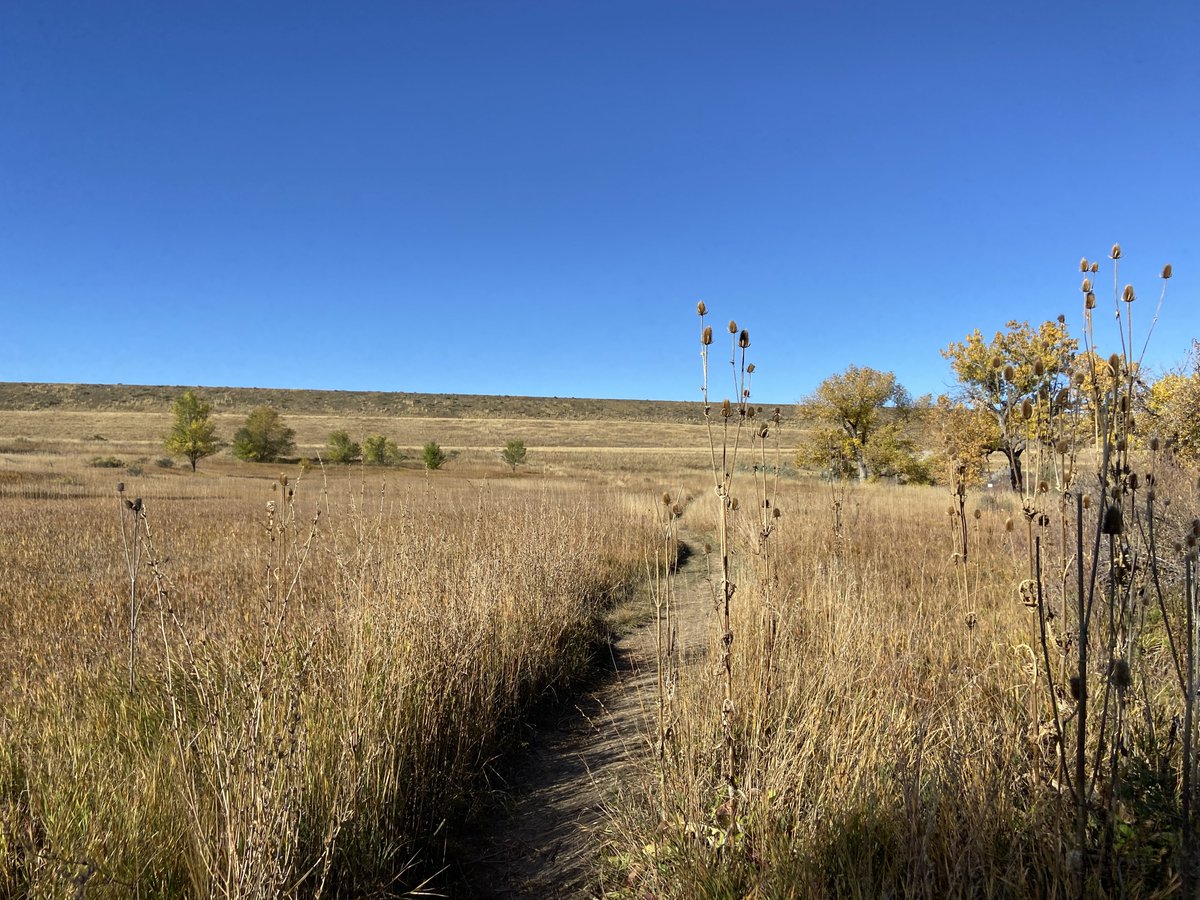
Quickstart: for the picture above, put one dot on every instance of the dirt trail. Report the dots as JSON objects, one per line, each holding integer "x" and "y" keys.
{"x": 545, "y": 846}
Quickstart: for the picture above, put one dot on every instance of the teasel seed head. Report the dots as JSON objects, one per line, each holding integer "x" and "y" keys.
{"x": 763, "y": 433}
{"x": 1122, "y": 445}
{"x": 1120, "y": 676}
{"x": 977, "y": 515}
{"x": 1114, "y": 364}
{"x": 701, "y": 309}
{"x": 1063, "y": 398}
{"x": 676, "y": 510}
{"x": 733, "y": 329}
{"x": 1083, "y": 264}
{"x": 1010, "y": 374}
{"x": 706, "y": 335}
{"x": 1027, "y": 408}
{"x": 120, "y": 487}
{"x": 1077, "y": 690}
{"x": 1087, "y": 501}
{"x": 1039, "y": 369}
{"x": 1008, "y": 525}
{"x": 749, "y": 412}
{"x": 1127, "y": 295}
{"x": 744, "y": 339}
{"x": 1123, "y": 403}
{"x": 1133, "y": 481}
{"x": 750, "y": 369}
{"x": 1095, "y": 267}
{"x": 726, "y": 409}
{"x": 666, "y": 499}
{"x": 1166, "y": 272}
{"x": 1089, "y": 301}
{"x": 1116, "y": 252}
{"x": 1062, "y": 447}
{"x": 1154, "y": 444}
{"x": 997, "y": 362}
{"x": 1086, "y": 286}
{"x": 1114, "y": 521}
{"x": 775, "y": 513}
{"x": 1043, "y": 487}
{"x": 733, "y": 503}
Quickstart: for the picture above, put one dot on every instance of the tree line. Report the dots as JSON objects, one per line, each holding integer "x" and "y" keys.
{"x": 264, "y": 437}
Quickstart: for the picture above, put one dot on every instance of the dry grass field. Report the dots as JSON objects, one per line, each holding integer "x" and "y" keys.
{"x": 323, "y": 667}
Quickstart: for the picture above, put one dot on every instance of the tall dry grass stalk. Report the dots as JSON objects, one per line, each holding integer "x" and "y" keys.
{"x": 333, "y": 672}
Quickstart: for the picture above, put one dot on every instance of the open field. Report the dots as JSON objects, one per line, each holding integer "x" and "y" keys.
{"x": 329, "y": 669}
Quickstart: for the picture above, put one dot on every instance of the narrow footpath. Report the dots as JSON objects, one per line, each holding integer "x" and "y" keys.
{"x": 546, "y": 844}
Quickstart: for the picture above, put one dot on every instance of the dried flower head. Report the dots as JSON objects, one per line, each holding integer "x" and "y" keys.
{"x": 1166, "y": 272}
{"x": 1114, "y": 521}
{"x": 1127, "y": 295}
{"x": 775, "y": 513}
{"x": 706, "y": 335}
{"x": 701, "y": 309}
{"x": 997, "y": 362}
{"x": 1086, "y": 286}
{"x": 1039, "y": 369}
{"x": 726, "y": 409}
{"x": 1010, "y": 374}
{"x": 1027, "y": 408}
{"x": 744, "y": 339}
{"x": 1154, "y": 444}
{"x": 1116, "y": 252}
{"x": 1008, "y": 525}
{"x": 733, "y": 329}
{"x": 1087, "y": 501}
{"x": 120, "y": 487}
{"x": 1119, "y": 675}
{"x": 1083, "y": 264}
{"x": 1089, "y": 301}
{"x": 977, "y": 515}
{"x": 750, "y": 369}
{"x": 666, "y": 498}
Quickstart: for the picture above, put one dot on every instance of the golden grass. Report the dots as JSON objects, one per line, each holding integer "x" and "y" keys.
{"x": 322, "y": 678}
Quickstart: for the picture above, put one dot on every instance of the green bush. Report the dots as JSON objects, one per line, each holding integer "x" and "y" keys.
{"x": 264, "y": 437}
{"x": 514, "y": 454}
{"x": 106, "y": 462}
{"x": 379, "y": 450}
{"x": 341, "y": 449}
{"x": 432, "y": 456}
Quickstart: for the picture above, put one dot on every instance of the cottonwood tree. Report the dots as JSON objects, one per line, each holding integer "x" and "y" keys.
{"x": 264, "y": 437}
{"x": 341, "y": 449}
{"x": 1173, "y": 403}
{"x": 1018, "y": 364}
{"x": 849, "y": 408}
{"x": 193, "y": 434}
{"x": 514, "y": 454}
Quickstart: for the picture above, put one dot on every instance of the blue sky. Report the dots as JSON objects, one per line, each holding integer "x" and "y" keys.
{"x": 530, "y": 198}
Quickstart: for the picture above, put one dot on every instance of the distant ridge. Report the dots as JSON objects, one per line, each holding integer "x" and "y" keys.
{"x": 26, "y": 396}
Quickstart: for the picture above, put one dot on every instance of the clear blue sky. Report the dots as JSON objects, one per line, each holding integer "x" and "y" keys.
{"x": 529, "y": 198}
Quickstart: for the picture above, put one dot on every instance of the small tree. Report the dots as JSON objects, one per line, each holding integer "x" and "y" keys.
{"x": 341, "y": 449}
{"x": 514, "y": 454}
{"x": 264, "y": 437}
{"x": 379, "y": 450}
{"x": 432, "y": 456}
{"x": 193, "y": 435}
{"x": 849, "y": 405}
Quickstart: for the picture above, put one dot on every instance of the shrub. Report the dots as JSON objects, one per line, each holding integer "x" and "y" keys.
{"x": 106, "y": 462}
{"x": 514, "y": 454}
{"x": 378, "y": 450}
{"x": 432, "y": 456}
{"x": 165, "y": 462}
{"x": 341, "y": 449}
{"x": 264, "y": 437}
{"x": 193, "y": 435}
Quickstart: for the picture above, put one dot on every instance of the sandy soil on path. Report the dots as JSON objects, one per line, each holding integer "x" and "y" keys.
{"x": 546, "y": 843}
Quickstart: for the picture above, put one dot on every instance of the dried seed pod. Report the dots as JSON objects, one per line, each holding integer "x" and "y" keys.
{"x": 1127, "y": 295}
{"x": 977, "y": 515}
{"x": 972, "y": 620}
{"x": 744, "y": 339}
{"x": 1133, "y": 481}
{"x": 1154, "y": 444}
{"x": 1122, "y": 445}
{"x": 120, "y": 487}
{"x": 1008, "y": 525}
{"x": 775, "y": 513}
{"x": 733, "y": 503}
{"x": 1114, "y": 521}
{"x": 1087, "y": 501}
{"x": 1039, "y": 369}
{"x": 706, "y": 335}
{"x": 1166, "y": 272}
{"x": 749, "y": 412}
{"x": 1043, "y": 487}
{"x": 1010, "y": 374}
{"x": 1116, "y": 252}
{"x": 1119, "y": 674}
{"x": 1083, "y": 264}
{"x": 750, "y": 369}
{"x": 1114, "y": 364}
{"x": 701, "y": 309}
{"x": 1086, "y": 285}
{"x": 666, "y": 499}
{"x": 997, "y": 362}
{"x": 1089, "y": 301}
{"x": 1078, "y": 691}
{"x": 677, "y": 510}
{"x": 726, "y": 409}
{"x": 733, "y": 329}
{"x": 1027, "y": 409}
{"x": 1063, "y": 398}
